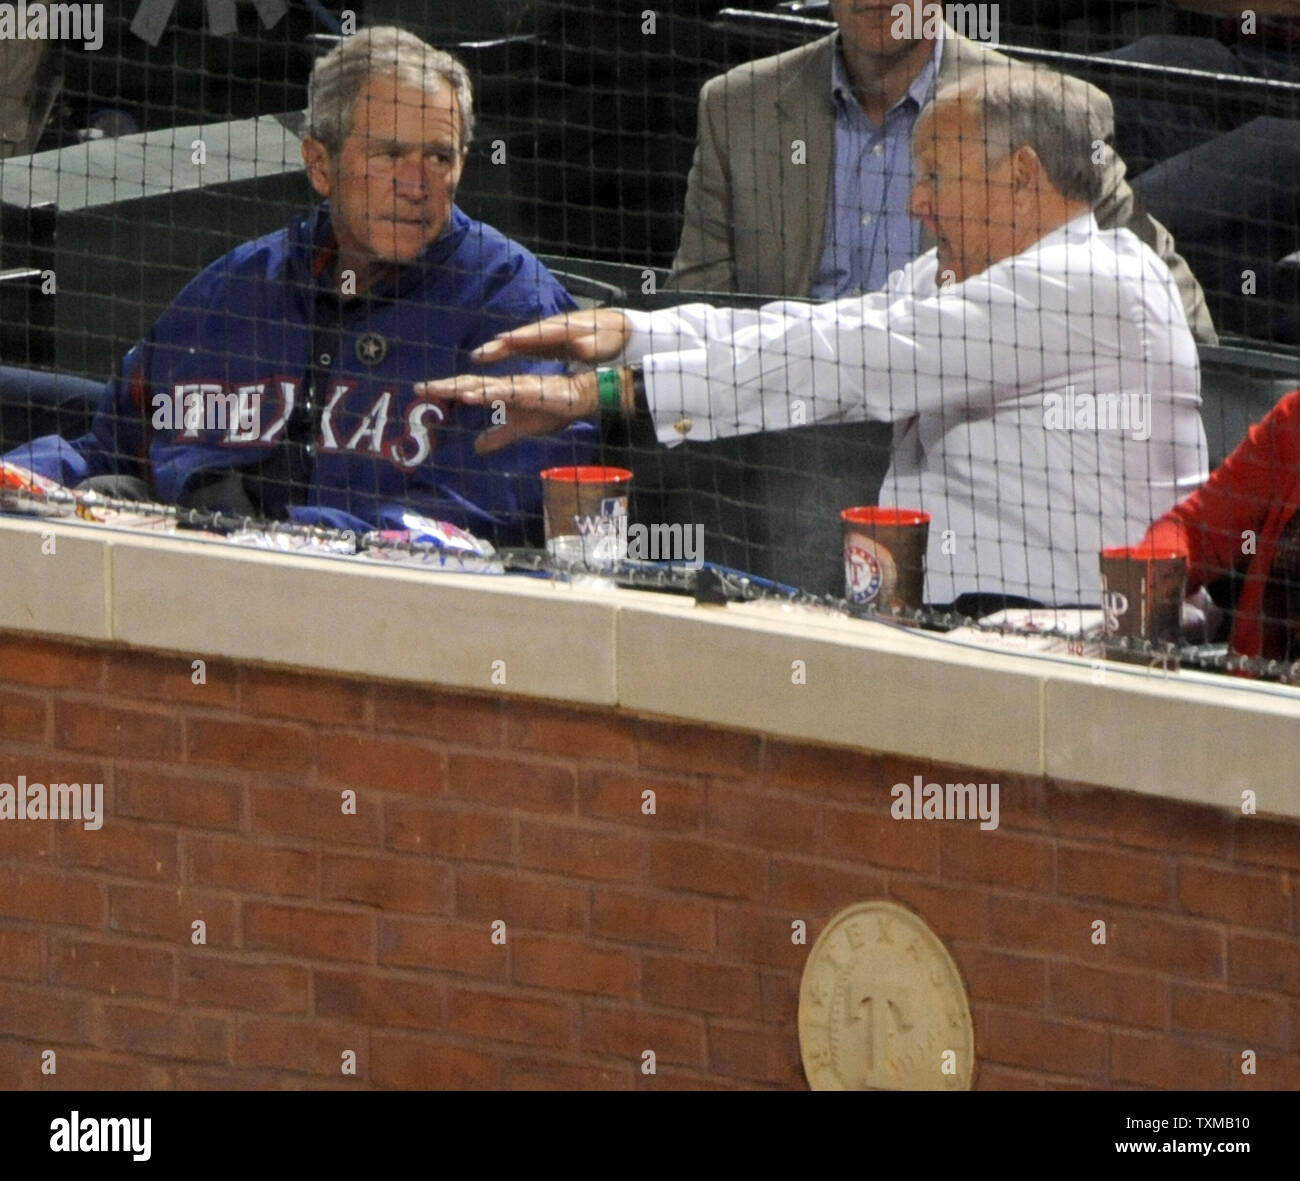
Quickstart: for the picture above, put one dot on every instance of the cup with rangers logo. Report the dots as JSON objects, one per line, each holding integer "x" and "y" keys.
{"x": 884, "y": 557}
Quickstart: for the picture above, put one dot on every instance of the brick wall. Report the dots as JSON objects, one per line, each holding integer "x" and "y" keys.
{"x": 328, "y": 932}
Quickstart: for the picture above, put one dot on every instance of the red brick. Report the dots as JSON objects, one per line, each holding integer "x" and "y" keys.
{"x": 511, "y": 783}
{"x": 133, "y": 676}
{"x": 817, "y": 888}
{"x": 657, "y": 920}
{"x": 383, "y": 764}
{"x": 116, "y": 731}
{"x": 41, "y": 1013}
{"x": 594, "y": 737}
{"x": 569, "y": 965}
{"x": 443, "y": 717}
{"x": 528, "y": 902}
{"x": 1259, "y": 840}
{"x": 320, "y": 701}
{"x": 225, "y": 1078}
{"x": 459, "y": 948}
{"x": 50, "y": 897}
{"x": 771, "y": 822}
{"x": 877, "y": 840}
{"x": 1022, "y": 800}
{"x": 954, "y": 912}
{"x": 29, "y": 661}
{"x": 20, "y": 955}
{"x": 220, "y": 982}
{"x": 780, "y": 994}
{"x": 374, "y": 1000}
{"x": 448, "y": 830}
{"x": 754, "y": 936}
{"x": 703, "y": 867}
{"x": 532, "y": 1075}
{"x": 424, "y": 1064}
{"x": 1171, "y": 826}
{"x": 698, "y": 986}
{"x": 1059, "y": 928}
{"x": 971, "y": 854}
{"x": 1076, "y": 810}
{"x": 113, "y": 968}
{"x": 613, "y": 795}
{"x": 998, "y": 1078}
{"x": 164, "y": 1033}
{"x": 1256, "y": 1021}
{"x": 583, "y": 852}
{"x": 831, "y": 773}
{"x": 309, "y": 813}
{"x": 1273, "y": 1072}
{"x": 1135, "y": 878}
{"x": 764, "y": 1055}
{"x": 308, "y": 1047}
{"x": 1116, "y": 997}
{"x": 89, "y": 1071}
{"x": 21, "y": 841}
{"x": 510, "y": 1018}
{"x": 169, "y": 913}
{"x": 1005, "y": 979}
{"x": 269, "y": 748}
{"x": 624, "y": 1031}
{"x": 122, "y": 849}
{"x": 1040, "y": 1043}
{"x": 235, "y": 864}
{"x": 1237, "y": 897}
{"x": 1271, "y": 965}
{"x": 1167, "y": 1063}
{"x": 27, "y": 714}
{"x": 1167, "y": 945}
{"x": 308, "y": 932}
{"x": 190, "y": 800}
{"x": 406, "y": 886}
{"x": 697, "y": 750}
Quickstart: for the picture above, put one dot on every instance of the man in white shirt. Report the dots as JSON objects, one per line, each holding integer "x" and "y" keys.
{"x": 1039, "y": 371}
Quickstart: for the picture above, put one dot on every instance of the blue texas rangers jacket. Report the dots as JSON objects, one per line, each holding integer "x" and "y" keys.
{"x": 263, "y": 364}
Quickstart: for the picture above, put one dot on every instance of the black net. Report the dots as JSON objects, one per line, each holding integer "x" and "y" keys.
{"x": 158, "y": 318}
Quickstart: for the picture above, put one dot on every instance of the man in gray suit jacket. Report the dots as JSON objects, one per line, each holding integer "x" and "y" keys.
{"x": 757, "y": 205}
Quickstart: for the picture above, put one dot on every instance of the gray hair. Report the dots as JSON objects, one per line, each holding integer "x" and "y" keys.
{"x": 1063, "y": 119}
{"x": 341, "y": 75}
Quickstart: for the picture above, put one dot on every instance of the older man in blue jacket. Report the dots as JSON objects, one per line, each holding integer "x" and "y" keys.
{"x": 280, "y": 381}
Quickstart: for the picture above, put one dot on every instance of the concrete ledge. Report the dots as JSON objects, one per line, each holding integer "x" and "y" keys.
{"x": 1185, "y": 736}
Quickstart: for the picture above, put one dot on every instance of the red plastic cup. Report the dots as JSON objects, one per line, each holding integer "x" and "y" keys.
{"x": 1142, "y": 592}
{"x": 586, "y": 512}
{"x": 884, "y": 556}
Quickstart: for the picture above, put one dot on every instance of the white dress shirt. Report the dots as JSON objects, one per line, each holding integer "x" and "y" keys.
{"x": 1043, "y": 409}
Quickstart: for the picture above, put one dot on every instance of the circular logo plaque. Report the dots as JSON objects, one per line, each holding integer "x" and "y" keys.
{"x": 882, "y": 1006}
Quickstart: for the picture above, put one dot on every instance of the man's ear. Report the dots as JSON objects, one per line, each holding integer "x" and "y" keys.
{"x": 319, "y": 163}
{"x": 1026, "y": 168}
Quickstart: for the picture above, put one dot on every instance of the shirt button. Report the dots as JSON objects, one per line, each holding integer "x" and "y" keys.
{"x": 878, "y": 150}
{"x": 324, "y": 358}
{"x": 866, "y": 219}
{"x": 683, "y": 426}
{"x": 310, "y": 448}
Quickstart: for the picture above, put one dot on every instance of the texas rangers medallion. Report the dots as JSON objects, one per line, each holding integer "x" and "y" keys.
{"x": 882, "y": 1006}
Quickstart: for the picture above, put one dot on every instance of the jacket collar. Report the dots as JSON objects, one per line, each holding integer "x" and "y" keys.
{"x": 314, "y": 248}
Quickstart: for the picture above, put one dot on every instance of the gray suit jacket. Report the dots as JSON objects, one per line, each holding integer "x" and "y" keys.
{"x": 756, "y": 201}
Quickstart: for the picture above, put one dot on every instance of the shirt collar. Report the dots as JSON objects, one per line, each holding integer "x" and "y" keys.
{"x": 920, "y": 91}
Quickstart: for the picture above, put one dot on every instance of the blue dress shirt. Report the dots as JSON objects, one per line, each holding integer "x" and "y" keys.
{"x": 868, "y": 231}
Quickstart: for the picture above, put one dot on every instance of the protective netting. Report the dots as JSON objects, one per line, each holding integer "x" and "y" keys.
{"x": 1112, "y": 301}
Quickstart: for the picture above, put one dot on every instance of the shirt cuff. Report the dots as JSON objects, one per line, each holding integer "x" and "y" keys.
{"x": 677, "y": 392}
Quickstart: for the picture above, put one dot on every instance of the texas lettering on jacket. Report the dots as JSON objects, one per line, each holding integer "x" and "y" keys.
{"x": 255, "y": 414}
